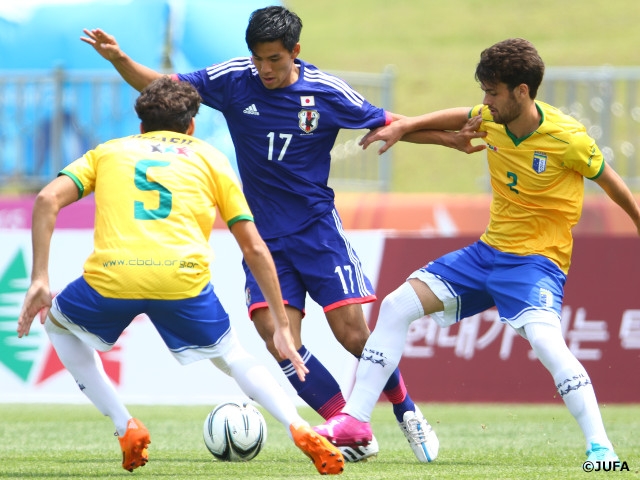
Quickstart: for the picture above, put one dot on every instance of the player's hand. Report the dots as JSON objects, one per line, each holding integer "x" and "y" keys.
{"x": 103, "y": 43}
{"x": 283, "y": 342}
{"x": 37, "y": 301}
{"x": 389, "y": 134}
{"x": 462, "y": 138}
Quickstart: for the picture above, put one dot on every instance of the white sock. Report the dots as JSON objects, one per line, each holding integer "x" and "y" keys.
{"x": 571, "y": 380}
{"x": 84, "y": 364}
{"x": 383, "y": 350}
{"x": 258, "y": 384}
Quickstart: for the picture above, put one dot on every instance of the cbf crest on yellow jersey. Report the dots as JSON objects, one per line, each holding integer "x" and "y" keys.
{"x": 538, "y": 184}
{"x": 156, "y": 196}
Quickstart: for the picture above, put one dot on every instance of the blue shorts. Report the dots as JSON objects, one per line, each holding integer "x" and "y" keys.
{"x": 191, "y": 327}
{"x": 318, "y": 260}
{"x": 473, "y": 279}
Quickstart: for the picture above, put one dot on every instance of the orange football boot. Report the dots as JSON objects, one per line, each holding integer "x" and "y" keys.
{"x": 134, "y": 445}
{"x": 327, "y": 459}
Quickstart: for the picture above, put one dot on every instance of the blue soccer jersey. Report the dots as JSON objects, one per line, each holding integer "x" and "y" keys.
{"x": 283, "y": 137}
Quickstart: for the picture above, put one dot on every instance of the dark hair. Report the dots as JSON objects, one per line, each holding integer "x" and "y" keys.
{"x": 273, "y": 23}
{"x": 514, "y": 61}
{"x": 166, "y": 104}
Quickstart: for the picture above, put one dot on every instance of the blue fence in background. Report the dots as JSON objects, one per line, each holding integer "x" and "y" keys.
{"x": 59, "y": 98}
{"x": 48, "y": 119}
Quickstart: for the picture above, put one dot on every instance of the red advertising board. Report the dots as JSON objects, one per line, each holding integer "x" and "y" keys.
{"x": 477, "y": 360}
{"x": 482, "y": 360}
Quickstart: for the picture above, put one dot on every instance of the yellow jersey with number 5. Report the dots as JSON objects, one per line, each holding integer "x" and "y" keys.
{"x": 538, "y": 184}
{"x": 156, "y": 196}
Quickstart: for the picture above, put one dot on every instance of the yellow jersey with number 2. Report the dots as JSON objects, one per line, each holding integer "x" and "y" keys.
{"x": 156, "y": 196}
{"x": 538, "y": 184}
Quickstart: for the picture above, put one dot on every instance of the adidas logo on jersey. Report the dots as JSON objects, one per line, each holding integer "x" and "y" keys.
{"x": 251, "y": 110}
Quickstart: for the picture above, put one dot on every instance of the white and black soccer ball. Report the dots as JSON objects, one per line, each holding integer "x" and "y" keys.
{"x": 235, "y": 432}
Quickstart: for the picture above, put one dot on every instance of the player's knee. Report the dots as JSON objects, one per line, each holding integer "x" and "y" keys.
{"x": 541, "y": 334}
{"x": 274, "y": 352}
{"x": 354, "y": 342}
{"x": 264, "y": 324}
{"x": 402, "y": 305}
{"x": 233, "y": 355}
{"x": 271, "y": 347}
{"x": 221, "y": 365}
{"x": 349, "y": 327}
{"x": 548, "y": 344}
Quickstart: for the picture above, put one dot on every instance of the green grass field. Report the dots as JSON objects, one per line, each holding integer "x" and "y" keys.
{"x": 434, "y": 47}
{"x": 476, "y": 442}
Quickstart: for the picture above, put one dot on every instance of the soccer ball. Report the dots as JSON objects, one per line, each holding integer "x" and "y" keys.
{"x": 235, "y": 432}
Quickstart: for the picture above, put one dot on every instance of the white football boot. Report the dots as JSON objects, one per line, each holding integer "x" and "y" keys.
{"x": 420, "y": 435}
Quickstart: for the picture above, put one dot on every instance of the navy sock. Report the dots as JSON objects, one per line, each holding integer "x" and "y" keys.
{"x": 396, "y": 391}
{"x": 319, "y": 390}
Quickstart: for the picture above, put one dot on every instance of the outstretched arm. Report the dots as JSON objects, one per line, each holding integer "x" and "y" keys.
{"x": 259, "y": 260}
{"x": 459, "y": 140}
{"x": 135, "y": 74}
{"x": 451, "y": 127}
{"x": 56, "y": 195}
{"x": 617, "y": 190}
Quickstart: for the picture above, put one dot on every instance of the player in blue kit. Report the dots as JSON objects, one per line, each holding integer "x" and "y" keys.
{"x": 284, "y": 115}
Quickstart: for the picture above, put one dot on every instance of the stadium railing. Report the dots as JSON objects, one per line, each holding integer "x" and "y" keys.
{"x": 607, "y": 101}
{"x": 352, "y": 168}
{"x": 49, "y": 118}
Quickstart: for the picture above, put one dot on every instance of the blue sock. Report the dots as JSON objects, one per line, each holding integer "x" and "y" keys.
{"x": 319, "y": 390}
{"x": 396, "y": 391}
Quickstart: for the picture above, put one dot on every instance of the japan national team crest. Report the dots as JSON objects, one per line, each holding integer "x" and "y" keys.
{"x": 539, "y": 162}
{"x": 308, "y": 120}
